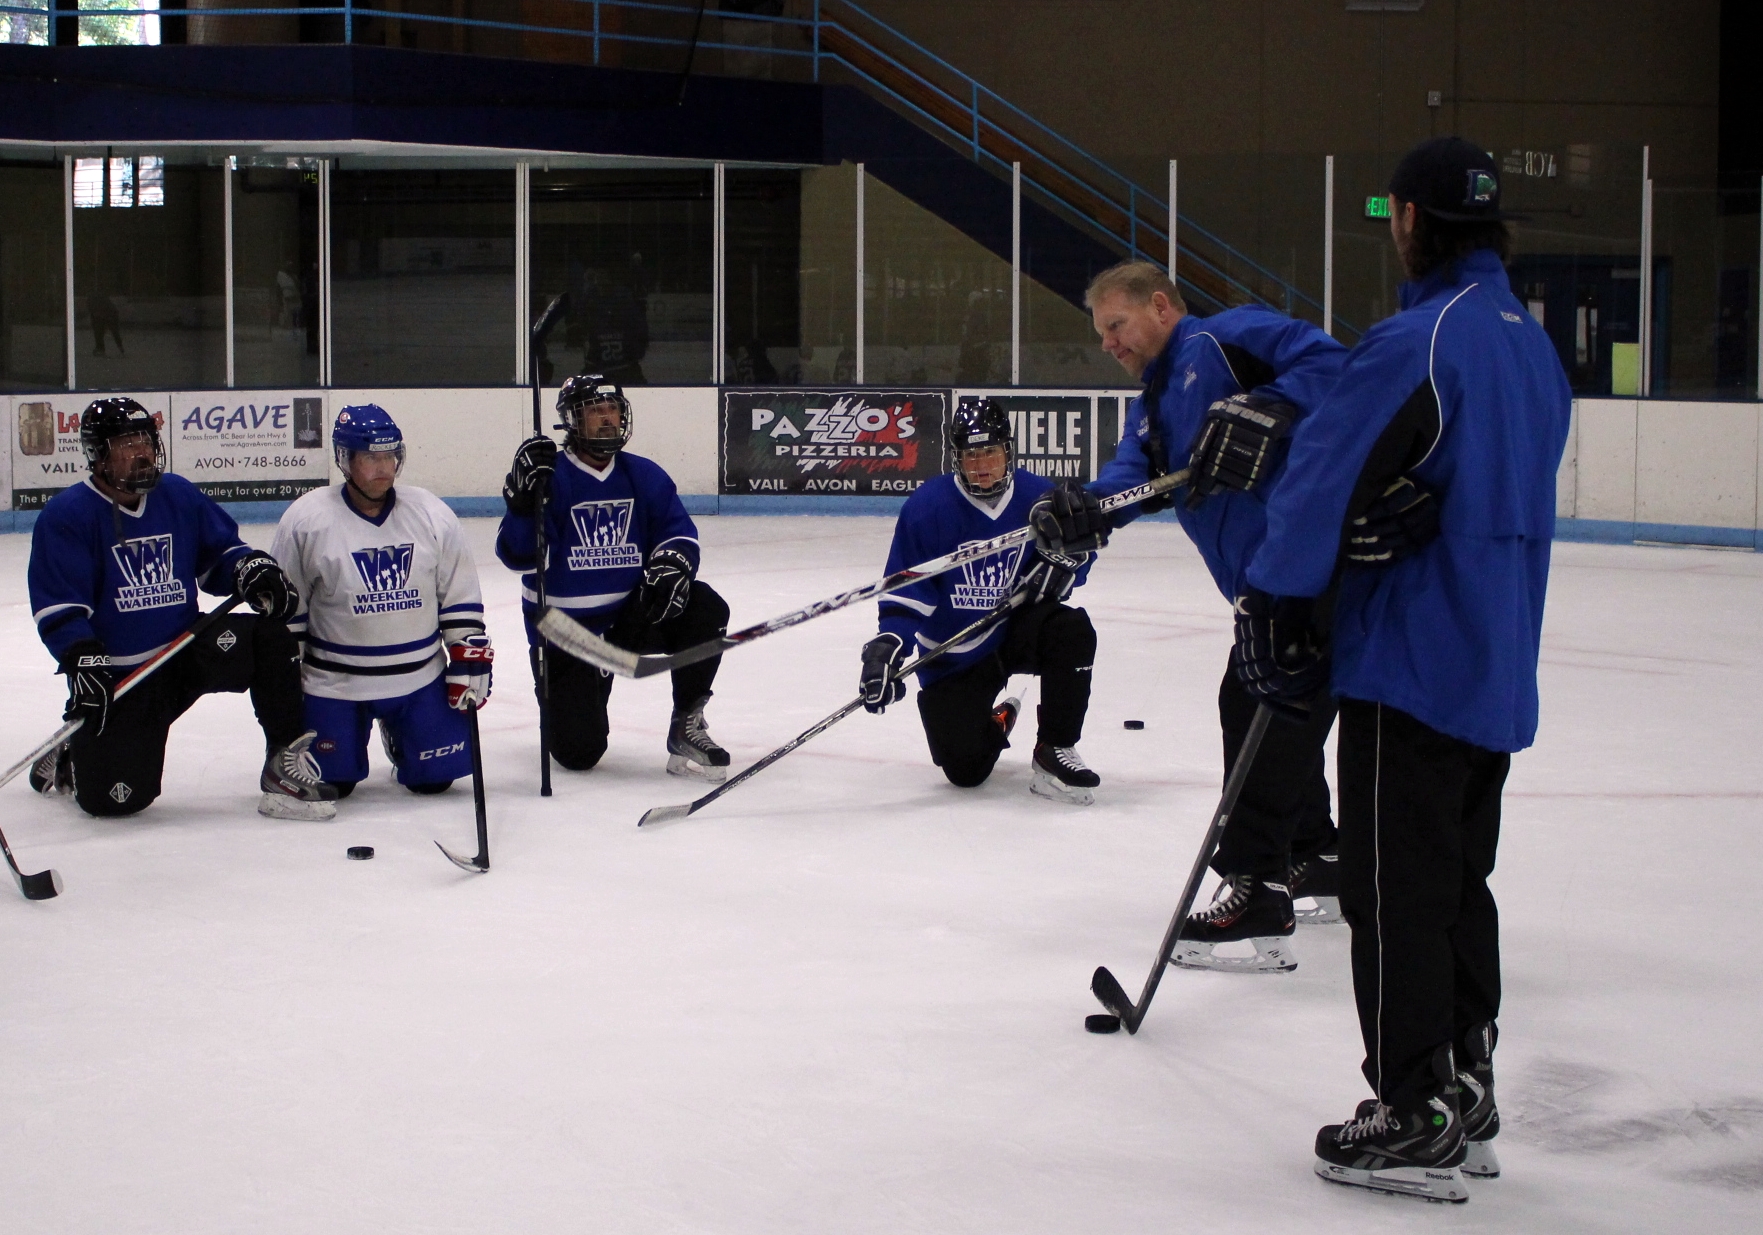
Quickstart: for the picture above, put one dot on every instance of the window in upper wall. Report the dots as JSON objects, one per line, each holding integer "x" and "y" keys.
{"x": 125, "y": 182}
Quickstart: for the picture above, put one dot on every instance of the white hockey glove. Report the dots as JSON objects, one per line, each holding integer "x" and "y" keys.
{"x": 468, "y": 672}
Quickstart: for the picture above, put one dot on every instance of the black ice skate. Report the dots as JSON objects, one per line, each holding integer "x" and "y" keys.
{"x": 1405, "y": 1151}
{"x": 1481, "y": 1118}
{"x": 1318, "y": 879}
{"x": 691, "y": 751}
{"x": 389, "y": 744}
{"x": 1060, "y": 774}
{"x": 52, "y": 775}
{"x": 1244, "y": 907}
{"x": 1004, "y": 716}
{"x": 291, "y": 785}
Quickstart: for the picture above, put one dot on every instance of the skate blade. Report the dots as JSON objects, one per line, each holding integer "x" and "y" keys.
{"x": 1326, "y": 912}
{"x": 1273, "y": 954}
{"x": 1055, "y": 790}
{"x": 281, "y": 806}
{"x": 681, "y": 765}
{"x": 1482, "y": 1162}
{"x": 1428, "y": 1183}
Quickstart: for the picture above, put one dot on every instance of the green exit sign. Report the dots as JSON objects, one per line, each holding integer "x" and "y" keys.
{"x": 1377, "y": 207}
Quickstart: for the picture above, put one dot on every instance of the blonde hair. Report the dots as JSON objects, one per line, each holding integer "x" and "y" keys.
{"x": 1137, "y": 281}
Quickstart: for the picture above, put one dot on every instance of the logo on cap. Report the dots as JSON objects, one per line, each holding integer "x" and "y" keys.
{"x": 1483, "y": 188}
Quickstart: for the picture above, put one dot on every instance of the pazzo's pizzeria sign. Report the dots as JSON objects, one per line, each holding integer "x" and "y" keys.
{"x": 873, "y": 443}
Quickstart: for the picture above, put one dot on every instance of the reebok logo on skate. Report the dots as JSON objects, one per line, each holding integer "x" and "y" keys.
{"x": 152, "y": 579}
{"x": 988, "y": 581}
{"x": 384, "y": 572}
{"x": 603, "y": 530}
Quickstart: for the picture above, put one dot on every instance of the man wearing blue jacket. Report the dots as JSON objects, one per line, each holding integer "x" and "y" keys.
{"x": 1433, "y": 658}
{"x": 1228, "y": 386}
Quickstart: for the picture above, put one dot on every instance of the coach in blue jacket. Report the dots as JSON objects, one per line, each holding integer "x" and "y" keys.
{"x": 1433, "y": 657}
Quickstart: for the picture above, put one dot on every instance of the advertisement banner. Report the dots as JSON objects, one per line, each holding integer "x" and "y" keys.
{"x": 870, "y": 443}
{"x": 251, "y": 446}
{"x": 46, "y": 452}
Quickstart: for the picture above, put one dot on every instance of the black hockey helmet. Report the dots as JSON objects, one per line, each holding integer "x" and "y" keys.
{"x": 105, "y": 420}
{"x": 977, "y": 423}
{"x": 586, "y": 390}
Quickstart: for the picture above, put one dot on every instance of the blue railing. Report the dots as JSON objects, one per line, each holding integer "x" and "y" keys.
{"x": 993, "y": 131}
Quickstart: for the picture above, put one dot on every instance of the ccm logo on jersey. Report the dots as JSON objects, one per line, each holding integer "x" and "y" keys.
{"x": 440, "y": 752}
{"x": 152, "y": 577}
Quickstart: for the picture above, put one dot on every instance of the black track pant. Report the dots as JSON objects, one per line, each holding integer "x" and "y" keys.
{"x": 1420, "y": 820}
{"x": 575, "y": 717}
{"x": 117, "y": 772}
{"x": 1051, "y": 640}
{"x": 1284, "y": 814}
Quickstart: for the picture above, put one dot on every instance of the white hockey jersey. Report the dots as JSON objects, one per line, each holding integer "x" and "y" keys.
{"x": 378, "y": 597}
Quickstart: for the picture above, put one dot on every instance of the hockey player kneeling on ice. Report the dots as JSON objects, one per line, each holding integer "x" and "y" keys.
{"x": 115, "y": 564}
{"x": 623, "y": 561}
{"x": 393, "y": 623}
{"x": 965, "y": 725}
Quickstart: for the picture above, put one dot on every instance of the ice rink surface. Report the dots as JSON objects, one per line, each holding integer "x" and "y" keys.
{"x": 849, "y": 997}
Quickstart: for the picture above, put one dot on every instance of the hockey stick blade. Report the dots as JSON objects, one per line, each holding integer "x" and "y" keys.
{"x": 42, "y": 886}
{"x": 578, "y": 641}
{"x": 665, "y": 814}
{"x": 1107, "y": 990}
{"x": 464, "y": 864}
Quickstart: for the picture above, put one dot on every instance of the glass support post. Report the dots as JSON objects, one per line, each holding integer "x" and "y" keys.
{"x": 1646, "y": 307}
{"x": 1016, "y": 274}
{"x": 226, "y": 209}
{"x": 1173, "y": 185}
{"x": 858, "y": 369}
{"x": 718, "y": 275}
{"x": 1760, "y": 294}
{"x": 1328, "y": 245}
{"x": 67, "y": 266}
{"x": 523, "y": 270}
{"x": 325, "y": 376}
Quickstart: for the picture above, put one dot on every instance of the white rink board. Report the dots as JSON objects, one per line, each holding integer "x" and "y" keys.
{"x": 849, "y": 998}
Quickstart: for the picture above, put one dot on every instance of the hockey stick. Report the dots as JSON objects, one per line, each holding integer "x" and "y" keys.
{"x": 584, "y": 644}
{"x": 1104, "y": 985}
{"x": 667, "y": 814}
{"x": 481, "y": 863}
{"x": 541, "y": 331}
{"x": 45, "y": 884}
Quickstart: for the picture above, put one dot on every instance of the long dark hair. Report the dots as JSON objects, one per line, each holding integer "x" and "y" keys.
{"x": 1438, "y": 241}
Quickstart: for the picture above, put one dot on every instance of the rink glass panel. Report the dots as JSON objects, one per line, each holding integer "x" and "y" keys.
{"x": 149, "y": 272}
{"x": 422, "y": 276}
{"x": 633, "y": 249}
{"x": 275, "y": 276}
{"x": 33, "y": 333}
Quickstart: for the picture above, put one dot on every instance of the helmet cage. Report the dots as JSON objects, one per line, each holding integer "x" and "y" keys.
{"x": 977, "y": 424}
{"x": 105, "y": 420}
{"x": 578, "y": 396}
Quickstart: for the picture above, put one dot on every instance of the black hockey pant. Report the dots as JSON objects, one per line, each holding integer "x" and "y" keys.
{"x": 575, "y": 716}
{"x": 1284, "y": 814}
{"x": 1051, "y": 640}
{"x": 1420, "y": 820}
{"x": 117, "y": 772}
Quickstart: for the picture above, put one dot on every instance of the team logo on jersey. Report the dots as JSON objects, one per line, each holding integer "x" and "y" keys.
{"x": 603, "y": 528}
{"x": 152, "y": 578}
{"x": 987, "y": 582}
{"x": 384, "y": 572}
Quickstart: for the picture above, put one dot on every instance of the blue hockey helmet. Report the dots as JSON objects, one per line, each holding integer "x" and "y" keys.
{"x": 366, "y": 427}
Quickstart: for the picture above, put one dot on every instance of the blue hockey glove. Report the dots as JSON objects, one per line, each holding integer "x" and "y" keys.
{"x": 882, "y": 657}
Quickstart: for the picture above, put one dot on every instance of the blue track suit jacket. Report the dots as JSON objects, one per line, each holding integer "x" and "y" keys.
{"x": 1205, "y": 360}
{"x": 1464, "y": 392}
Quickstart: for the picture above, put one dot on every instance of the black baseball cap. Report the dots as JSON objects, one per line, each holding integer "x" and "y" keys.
{"x": 1450, "y": 179}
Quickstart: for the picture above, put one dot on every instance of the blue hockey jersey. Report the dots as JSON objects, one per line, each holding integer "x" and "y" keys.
{"x": 1208, "y": 359}
{"x": 600, "y": 528}
{"x": 1464, "y": 392}
{"x": 132, "y": 587}
{"x": 937, "y": 519}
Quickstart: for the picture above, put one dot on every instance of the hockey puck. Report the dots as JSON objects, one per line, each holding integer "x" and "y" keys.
{"x": 1135, "y": 724}
{"x": 360, "y": 853}
{"x": 1102, "y": 1022}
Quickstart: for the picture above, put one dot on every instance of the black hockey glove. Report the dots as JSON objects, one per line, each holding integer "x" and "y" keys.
{"x": 882, "y": 657}
{"x": 259, "y": 582}
{"x": 89, "y": 684}
{"x": 534, "y": 463}
{"x": 1051, "y": 577}
{"x": 667, "y": 585}
{"x": 1069, "y": 520}
{"x": 1234, "y": 447}
{"x": 1400, "y": 522}
{"x": 1279, "y": 655}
